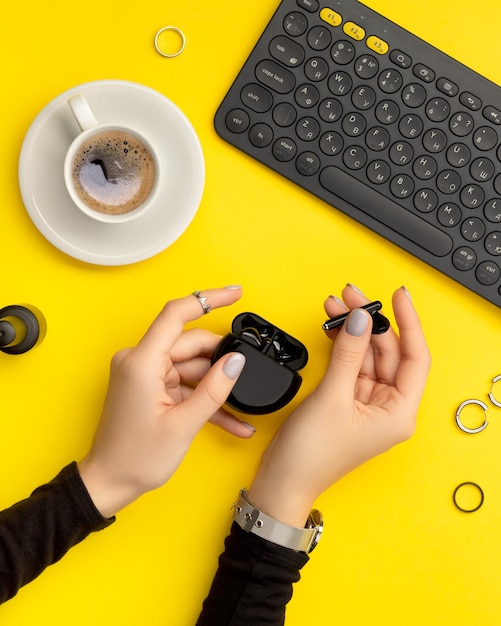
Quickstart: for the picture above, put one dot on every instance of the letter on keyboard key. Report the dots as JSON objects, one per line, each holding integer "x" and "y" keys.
{"x": 389, "y": 213}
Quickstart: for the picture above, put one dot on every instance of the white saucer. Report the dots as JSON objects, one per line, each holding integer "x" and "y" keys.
{"x": 48, "y": 203}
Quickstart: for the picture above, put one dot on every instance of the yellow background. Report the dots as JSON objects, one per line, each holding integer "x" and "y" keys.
{"x": 395, "y": 549}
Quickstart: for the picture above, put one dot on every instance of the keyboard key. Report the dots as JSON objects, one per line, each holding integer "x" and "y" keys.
{"x": 448, "y": 87}
{"x": 308, "y": 5}
{"x": 435, "y": 140}
{"x": 355, "y": 158}
{"x": 331, "y": 143}
{"x": 261, "y": 135}
{"x": 485, "y": 138}
{"x": 330, "y": 110}
{"x": 461, "y": 124}
{"x": 448, "y": 181}
{"x": 340, "y": 83}
{"x": 438, "y": 110}
{"x": 275, "y": 77}
{"x": 414, "y": 95}
{"x": 284, "y": 150}
{"x": 308, "y": 163}
{"x": 390, "y": 81}
{"x": 286, "y": 51}
{"x": 284, "y": 114}
{"x": 402, "y": 59}
{"x": 426, "y": 74}
{"x": 464, "y": 259}
{"x": 493, "y": 244}
{"x": 492, "y": 211}
{"x": 331, "y": 17}
{"x": 449, "y": 215}
{"x": 492, "y": 114}
{"x": 308, "y": 129}
{"x": 467, "y": 99}
{"x": 343, "y": 52}
{"x": 377, "y": 138}
{"x": 316, "y": 69}
{"x": 392, "y": 215}
{"x": 366, "y": 66}
{"x": 237, "y": 121}
{"x": 256, "y": 98}
{"x": 378, "y": 172}
{"x": 307, "y": 96}
{"x": 387, "y": 112}
{"x": 355, "y": 31}
{"x": 488, "y": 273}
{"x": 425, "y": 167}
{"x": 319, "y": 38}
{"x": 473, "y": 229}
{"x": 296, "y": 24}
{"x": 377, "y": 44}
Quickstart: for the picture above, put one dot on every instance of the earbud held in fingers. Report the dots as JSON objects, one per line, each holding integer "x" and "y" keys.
{"x": 269, "y": 379}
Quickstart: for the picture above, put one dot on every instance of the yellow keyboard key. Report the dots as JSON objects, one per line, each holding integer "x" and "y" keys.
{"x": 378, "y": 45}
{"x": 354, "y": 31}
{"x": 331, "y": 17}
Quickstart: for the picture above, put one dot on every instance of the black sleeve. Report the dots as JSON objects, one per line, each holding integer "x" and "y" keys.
{"x": 38, "y": 531}
{"x": 253, "y": 583}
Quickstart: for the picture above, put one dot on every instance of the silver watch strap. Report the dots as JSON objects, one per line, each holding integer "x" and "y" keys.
{"x": 258, "y": 523}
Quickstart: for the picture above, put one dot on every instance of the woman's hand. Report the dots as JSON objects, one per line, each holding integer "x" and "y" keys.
{"x": 366, "y": 403}
{"x": 153, "y": 411}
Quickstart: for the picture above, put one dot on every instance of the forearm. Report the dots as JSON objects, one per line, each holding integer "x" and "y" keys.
{"x": 39, "y": 530}
{"x": 253, "y": 583}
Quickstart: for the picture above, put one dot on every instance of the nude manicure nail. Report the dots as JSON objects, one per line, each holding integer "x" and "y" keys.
{"x": 339, "y": 301}
{"x": 234, "y": 365}
{"x": 249, "y": 426}
{"x": 357, "y": 323}
{"x": 359, "y": 291}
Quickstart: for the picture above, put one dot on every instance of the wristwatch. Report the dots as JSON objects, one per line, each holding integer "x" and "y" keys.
{"x": 254, "y": 521}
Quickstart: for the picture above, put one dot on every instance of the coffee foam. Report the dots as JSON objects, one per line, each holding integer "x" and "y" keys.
{"x": 113, "y": 172}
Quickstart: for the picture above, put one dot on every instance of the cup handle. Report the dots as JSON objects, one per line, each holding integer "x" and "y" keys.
{"x": 82, "y": 112}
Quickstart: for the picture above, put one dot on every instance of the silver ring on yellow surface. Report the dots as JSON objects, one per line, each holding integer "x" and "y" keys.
{"x": 491, "y": 395}
{"x": 170, "y": 55}
{"x": 471, "y": 431}
{"x": 480, "y": 492}
{"x": 202, "y": 300}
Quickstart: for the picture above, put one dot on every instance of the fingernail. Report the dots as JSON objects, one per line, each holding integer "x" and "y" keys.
{"x": 233, "y": 287}
{"x": 339, "y": 301}
{"x": 359, "y": 291}
{"x": 407, "y": 293}
{"x": 234, "y": 365}
{"x": 357, "y": 322}
{"x": 249, "y": 426}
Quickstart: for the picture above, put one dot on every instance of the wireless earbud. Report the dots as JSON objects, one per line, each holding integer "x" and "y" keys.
{"x": 269, "y": 379}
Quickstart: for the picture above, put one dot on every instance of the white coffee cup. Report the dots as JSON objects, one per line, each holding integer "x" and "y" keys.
{"x": 111, "y": 171}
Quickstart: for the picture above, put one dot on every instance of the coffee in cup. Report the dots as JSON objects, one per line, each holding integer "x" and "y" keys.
{"x": 111, "y": 170}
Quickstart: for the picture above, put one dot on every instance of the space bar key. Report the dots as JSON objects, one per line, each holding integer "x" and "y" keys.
{"x": 384, "y": 210}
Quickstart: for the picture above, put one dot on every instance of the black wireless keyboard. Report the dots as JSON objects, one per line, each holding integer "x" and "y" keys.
{"x": 380, "y": 125}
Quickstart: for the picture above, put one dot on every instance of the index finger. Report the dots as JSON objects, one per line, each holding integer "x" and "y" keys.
{"x": 415, "y": 357}
{"x": 170, "y": 322}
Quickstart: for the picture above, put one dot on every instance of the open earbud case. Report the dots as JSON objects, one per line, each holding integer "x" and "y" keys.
{"x": 270, "y": 377}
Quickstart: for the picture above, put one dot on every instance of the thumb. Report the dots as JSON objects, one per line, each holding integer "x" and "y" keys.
{"x": 212, "y": 391}
{"x": 349, "y": 352}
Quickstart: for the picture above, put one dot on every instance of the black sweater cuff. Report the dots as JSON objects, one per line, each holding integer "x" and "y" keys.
{"x": 39, "y": 530}
{"x": 253, "y": 583}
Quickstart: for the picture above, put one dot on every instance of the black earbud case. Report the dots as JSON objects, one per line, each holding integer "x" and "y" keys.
{"x": 270, "y": 376}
